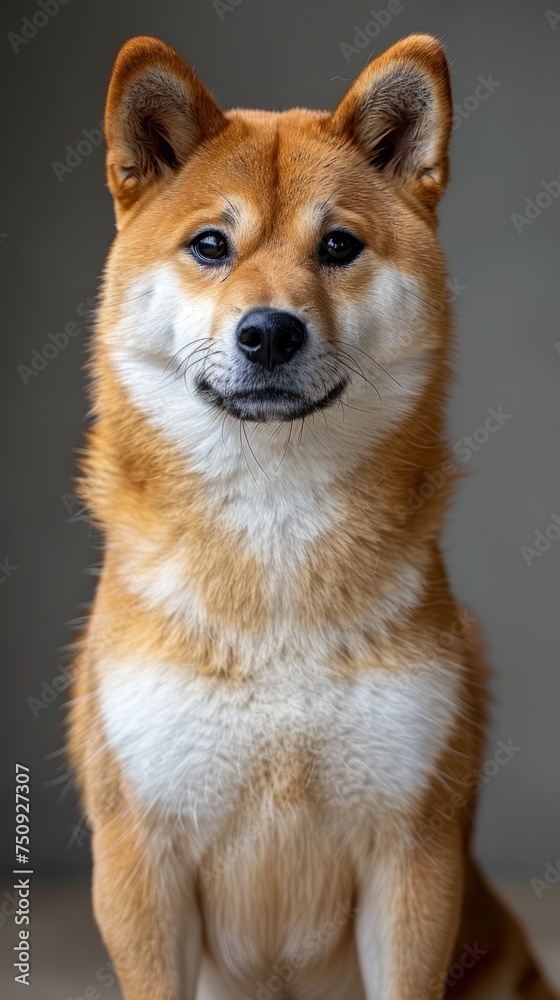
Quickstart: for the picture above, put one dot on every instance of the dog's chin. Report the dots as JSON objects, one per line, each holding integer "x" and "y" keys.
{"x": 270, "y": 404}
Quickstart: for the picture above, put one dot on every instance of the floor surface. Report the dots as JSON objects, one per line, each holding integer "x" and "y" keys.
{"x": 69, "y": 961}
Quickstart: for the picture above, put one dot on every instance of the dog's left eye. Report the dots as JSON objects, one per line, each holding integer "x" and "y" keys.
{"x": 210, "y": 246}
{"x": 338, "y": 248}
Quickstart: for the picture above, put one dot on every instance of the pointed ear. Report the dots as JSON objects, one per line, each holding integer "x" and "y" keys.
{"x": 157, "y": 111}
{"x": 399, "y": 112}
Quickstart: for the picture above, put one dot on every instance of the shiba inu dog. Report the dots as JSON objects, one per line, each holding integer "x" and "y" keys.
{"x": 278, "y": 707}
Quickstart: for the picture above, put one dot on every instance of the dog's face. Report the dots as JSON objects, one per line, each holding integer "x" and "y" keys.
{"x": 270, "y": 266}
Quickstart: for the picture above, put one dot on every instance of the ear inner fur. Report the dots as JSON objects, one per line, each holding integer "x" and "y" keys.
{"x": 399, "y": 112}
{"x": 157, "y": 111}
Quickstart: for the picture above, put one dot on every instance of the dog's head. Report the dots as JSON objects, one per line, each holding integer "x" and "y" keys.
{"x": 271, "y": 265}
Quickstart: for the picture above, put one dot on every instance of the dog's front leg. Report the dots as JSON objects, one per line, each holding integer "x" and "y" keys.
{"x": 145, "y": 907}
{"x": 409, "y": 901}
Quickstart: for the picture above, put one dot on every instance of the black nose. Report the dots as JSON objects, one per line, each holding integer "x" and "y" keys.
{"x": 270, "y": 337}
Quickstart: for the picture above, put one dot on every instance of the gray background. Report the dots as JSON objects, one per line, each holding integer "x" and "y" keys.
{"x": 277, "y": 53}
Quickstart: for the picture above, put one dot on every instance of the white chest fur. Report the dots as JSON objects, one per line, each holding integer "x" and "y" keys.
{"x": 193, "y": 746}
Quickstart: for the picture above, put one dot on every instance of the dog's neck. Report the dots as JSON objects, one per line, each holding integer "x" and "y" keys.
{"x": 259, "y": 549}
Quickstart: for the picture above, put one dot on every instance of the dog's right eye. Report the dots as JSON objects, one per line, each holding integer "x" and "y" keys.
{"x": 338, "y": 248}
{"x": 210, "y": 246}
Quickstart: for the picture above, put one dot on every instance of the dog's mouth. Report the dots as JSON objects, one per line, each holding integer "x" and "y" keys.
{"x": 270, "y": 403}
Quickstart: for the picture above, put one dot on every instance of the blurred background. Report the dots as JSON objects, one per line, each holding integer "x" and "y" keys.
{"x": 500, "y": 229}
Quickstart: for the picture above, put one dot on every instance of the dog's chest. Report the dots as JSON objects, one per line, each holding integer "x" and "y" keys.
{"x": 199, "y": 747}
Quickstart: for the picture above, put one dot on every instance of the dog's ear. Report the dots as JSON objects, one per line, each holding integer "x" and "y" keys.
{"x": 399, "y": 111}
{"x": 157, "y": 111}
